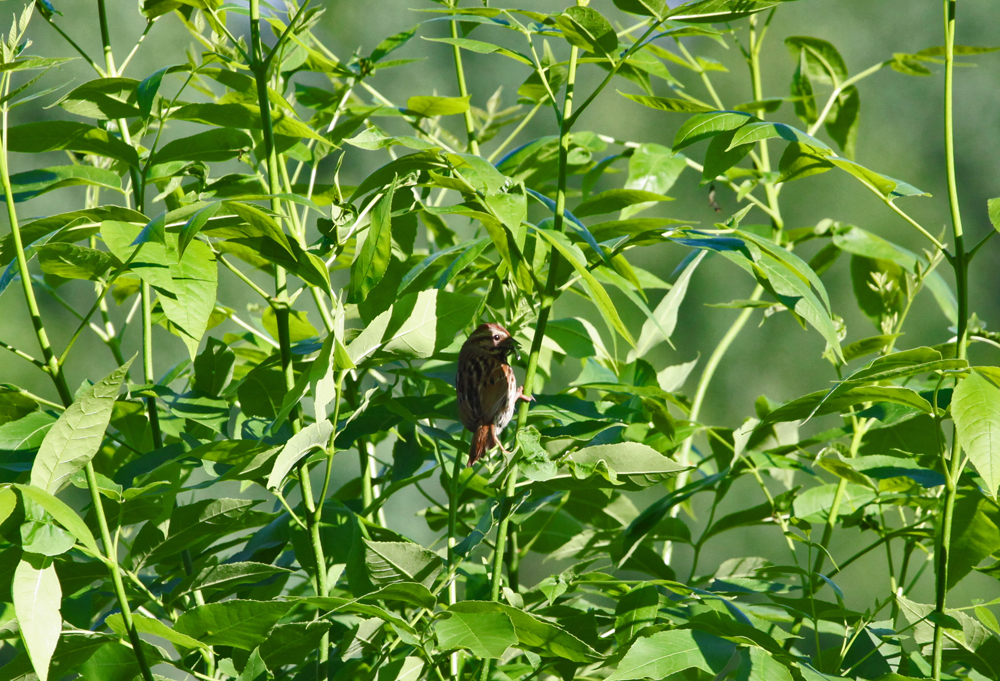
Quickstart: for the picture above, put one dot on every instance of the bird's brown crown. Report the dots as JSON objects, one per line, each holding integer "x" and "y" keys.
{"x": 492, "y": 338}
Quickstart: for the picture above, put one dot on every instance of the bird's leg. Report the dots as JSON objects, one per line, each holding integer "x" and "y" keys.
{"x": 496, "y": 438}
{"x": 522, "y": 396}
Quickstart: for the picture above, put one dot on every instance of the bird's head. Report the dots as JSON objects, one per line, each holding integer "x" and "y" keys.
{"x": 493, "y": 338}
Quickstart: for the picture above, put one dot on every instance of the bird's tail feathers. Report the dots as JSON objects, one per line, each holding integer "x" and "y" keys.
{"x": 483, "y": 440}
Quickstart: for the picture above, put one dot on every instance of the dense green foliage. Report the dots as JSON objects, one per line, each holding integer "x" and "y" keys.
{"x": 197, "y": 523}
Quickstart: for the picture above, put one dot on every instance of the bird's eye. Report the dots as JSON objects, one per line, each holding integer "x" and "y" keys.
{"x": 496, "y": 336}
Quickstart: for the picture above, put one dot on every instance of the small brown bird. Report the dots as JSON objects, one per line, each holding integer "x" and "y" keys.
{"x": 487, "y": 389}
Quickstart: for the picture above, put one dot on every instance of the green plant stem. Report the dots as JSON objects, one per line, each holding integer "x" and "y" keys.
{"x": 960, "y": 263}
{"x": 259, "y": 66}
{"x": 470, "y": 126}
{"x": 280, "y": 301}
{"x": 453, "y": 499}
{"x": 116, "y": 578}
{"x": 548, "y": 298}
{"x": 770, "y": 191}
{"x": 365, "y": 464}
{"x": 147, "y": 361}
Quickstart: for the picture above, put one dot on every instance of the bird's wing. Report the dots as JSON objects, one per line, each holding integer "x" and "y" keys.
{"x": 496, "y": 392}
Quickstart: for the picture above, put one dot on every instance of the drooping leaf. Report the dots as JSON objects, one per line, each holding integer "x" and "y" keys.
{"x": 597, "y": 292}
{"x": 37, "y": 599}
{"x": 668, "y": 652}
{"x": 975, "y": 406}
{"x": 314, "y": 436}
{"x": 239, "y": 623}
{"x": 533, "y": 632}
{"x": 584, "y": 27}
{"x": 667, "y": 104}
{"x": 75, "y": 438}
{"x": 666, "y": 311}
{"x": 35, "y": 138}
{"x": 373, "y": 259}
{"x": 437, "y": 106}
{"x": 486, "y": 635}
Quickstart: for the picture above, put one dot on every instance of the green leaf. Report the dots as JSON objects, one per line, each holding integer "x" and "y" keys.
{"x": 719, "y": 11}
{"x": 721, "y": 156}
{"x": 408, "y": 668}
{"x": 71, "y": 226}
{"x": 373, "y": 259}
{"x": 635, "y": 611}
{"x": 35, "y": 138}
{"x": 625, "y": 463}
{"x": 585, "y": 28}
{"x": 102, "y": 98}
{"x": 814, "y": 404}
{"x": 40, "y": 534}
{"x": 975, "y": 535}
{"x": 667, "y": 104}
{"x": 437, "y": 106}
{"x": 599, "y": 296}
{"x": 225, "y": 577}
{"x": 70, "y": 261}
{"x": 75, "y": 438}
{"x": 487, "y": 635}
{"x": 259, "y": 224}
{"x": 392, "y": 43}
{"x": 668, "y": 652}
{"x": 482, "y": 48}
{"x": 534, "y": 633}
{"x": 666, "y": 311}
{"x": 842, "y": 124}
{"x": 239, "y": 623}
{"x": 823, "y": 61}
{"x": 646, "y": 8}
{"x": 194, "y": 225}
{"x": 391, "y": 562}
{"x": 993, "y": 209}
{"x": 32, "y": 183}
{"x": 37, "y": 598}
{"x": 615, "y": 199}
{"x": 314, "y": 436}
{"x": 153, "y": 627}
{"x": 417, "y": 325}
{"x": 292, "y": 643}
{"x": 763, "y": 130}
{"x": 150, "y": 85}
{"x": 653, "y": 168}
{"x": 210, "y": 146}
{"x": 975, "y": 407}
{"x": 244, "y": 115}
{"x": 63, "y": 514}
{"x": 186, "y": 288}
{"x": 703, "y": 126}
{"x": 760, "y": 665}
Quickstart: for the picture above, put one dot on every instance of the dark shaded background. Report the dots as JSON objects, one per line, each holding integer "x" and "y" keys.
{"x": 900, "y": 135}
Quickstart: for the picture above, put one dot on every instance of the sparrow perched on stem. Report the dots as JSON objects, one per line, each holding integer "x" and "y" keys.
{"x": 487, "y": 389}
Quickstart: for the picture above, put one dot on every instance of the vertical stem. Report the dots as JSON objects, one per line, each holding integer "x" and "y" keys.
{"x": 147, "y": 362}
{"x": 116, "y": 578}
{"x": 960, "y": 263}
{"x": 548, "y": 298}
{"x": 281, "y": 312}
{"x": 770, "y": 191}
{"x": 453, "y": 494}
{"x": 365, "y": 462}
{"x": 470, "y": 128}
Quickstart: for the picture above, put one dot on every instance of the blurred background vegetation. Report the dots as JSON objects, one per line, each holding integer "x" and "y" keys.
{"x": 900, "y": 135}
